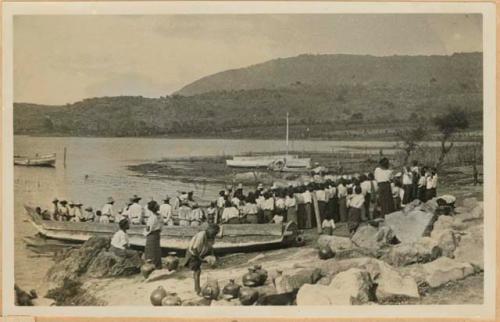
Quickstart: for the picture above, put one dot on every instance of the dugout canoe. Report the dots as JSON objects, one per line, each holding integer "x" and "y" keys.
{"x": 46, "y": 160}
{"x": 231, "y": 238}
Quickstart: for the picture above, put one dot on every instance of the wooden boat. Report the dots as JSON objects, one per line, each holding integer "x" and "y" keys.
{"x": 46, "y": 160}
{"x": 231, "y": 238}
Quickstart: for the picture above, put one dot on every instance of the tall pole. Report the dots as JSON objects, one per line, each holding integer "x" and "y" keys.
{"x": 287, "y": 135}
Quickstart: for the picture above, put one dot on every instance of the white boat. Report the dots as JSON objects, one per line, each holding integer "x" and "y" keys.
{"x": 273, "y": 162}
{"x": 45, "y": 160}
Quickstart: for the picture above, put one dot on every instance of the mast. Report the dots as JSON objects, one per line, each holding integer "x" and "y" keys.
{"x": 286, "y": 135}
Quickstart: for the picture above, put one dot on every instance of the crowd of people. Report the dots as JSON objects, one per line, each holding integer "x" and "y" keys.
{"x": 340, "y": 198}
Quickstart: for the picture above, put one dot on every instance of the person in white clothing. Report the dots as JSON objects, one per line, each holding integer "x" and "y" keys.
{"x": 135, "y": 211}
{"x": 407, "y": 185}
{"x": 231, "y": 214}
{"x": 120, "y": 242}
{"x": 383, "y": 175}
{"x": 107, "y": 210}
{"x": 355, "y": 202}
{"x": 166, "y": 212}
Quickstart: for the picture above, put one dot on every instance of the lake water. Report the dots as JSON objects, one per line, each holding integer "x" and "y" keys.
{"x": 97, "y": 168}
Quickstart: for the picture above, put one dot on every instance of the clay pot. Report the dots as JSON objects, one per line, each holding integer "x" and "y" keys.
{"x": 147, "y": 268}
{"x": 232, "y": 289}
{"x": 248, "y": 296}
{"x": 157, "y": 296}
{"x": 171, "y": 300}
{"x": 171, "y": 261}
{"x": 210, "y": 290}
{"x": 325, "y": 253}
{"x": 252, "y": 278}
{"x": 262, "y": 273}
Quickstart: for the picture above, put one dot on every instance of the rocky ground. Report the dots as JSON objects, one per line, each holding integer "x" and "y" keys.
{"x": 414, "y": 257}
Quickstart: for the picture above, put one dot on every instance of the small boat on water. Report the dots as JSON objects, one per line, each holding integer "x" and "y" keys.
{"x": 231, "y": 238}
{"x": 45, "y": 160}
{"x": 285, "y": 162}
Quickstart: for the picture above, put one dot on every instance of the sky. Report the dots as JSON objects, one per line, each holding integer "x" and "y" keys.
{"x": 63, "y": 59}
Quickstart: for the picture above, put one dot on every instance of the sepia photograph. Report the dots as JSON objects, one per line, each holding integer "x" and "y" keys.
{"x": 320, "y": 157}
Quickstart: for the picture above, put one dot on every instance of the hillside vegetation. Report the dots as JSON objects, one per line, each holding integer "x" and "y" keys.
{"x": 327, "y": 96}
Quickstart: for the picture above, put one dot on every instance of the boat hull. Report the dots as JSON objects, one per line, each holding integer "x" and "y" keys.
{"x": 304, "y": 163}
{"x": 41, "y": 161}
{"x": 232, "y": 238}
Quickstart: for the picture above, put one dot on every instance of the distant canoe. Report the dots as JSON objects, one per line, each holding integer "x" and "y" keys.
{"x": 272, "y": 162}
{"x": 231, "y": 238}
{"x": 46, "y": 160}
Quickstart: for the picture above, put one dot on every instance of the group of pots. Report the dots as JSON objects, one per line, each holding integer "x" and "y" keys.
{"x": 256, "y": 276}
{"x": 160, "y": 297}
{"x": 171, "y": 262}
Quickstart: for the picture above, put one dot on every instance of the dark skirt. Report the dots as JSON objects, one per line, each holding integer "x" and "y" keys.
{"x": 407, "y": 197}
{"x": 152, "y": 250}
{"x": 192, "y": 262}
{"x": 342, "y": 209}
{"x": 308, "y": 212}
{"x": 354, "y": 218}
{"x": 333, "y": 209}
{"x": 291, "y": 215}
{"x": 301, "y": 215}
{"x": 397, "y": 203}
{"x": 367, "y": 206}
{"x": 385, "y": 199}
{"x": 268, "y": 216}
{"x": 422, "y": 194}
{"x": 430, "y": 193}
{"x": 322, "y": 210}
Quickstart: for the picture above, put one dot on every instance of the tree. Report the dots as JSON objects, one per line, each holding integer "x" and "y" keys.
{"x": 410, "y": 139}
{"x": 448, "y": 124}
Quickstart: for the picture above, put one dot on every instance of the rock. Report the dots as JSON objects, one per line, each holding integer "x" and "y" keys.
{"x": 336, "y": 243}
{"x": 425, "y": 250}
{"x": 471, "y": 247}
{"x": 265, "y": 290}
{"x": 470, "y": 203}
{"x": 412, "y": 205}
{"x": 447, "y": 240}
{"x": 159, "y": 274}
{"x": 477, "y": 212}
{"x": 410, "y": 227}
{"x": 461, "y": 210}
{"x": 325, "y": 280}
{"x": 373, "y": 238}
{"x": 429, "y": 206}
{"x": 443, "y": 223}
{"x": 290, "y": 283}
{"x": 198, "y": 301}
{"x": 42, "y": 301}
{"x": 439, "y": 272}
{"x": 350, "y": 287}
{"x": 74, "y": 263}
{"x": 278, "y": 299}
{"x": 108, "y": 264}
{"x": 391, "y": 284}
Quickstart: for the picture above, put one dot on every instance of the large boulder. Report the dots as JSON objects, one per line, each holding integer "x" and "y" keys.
{"x": 391, "y": 284}
{"x": 336, "y": 243}
{"x": 159, "y": 274}
{"x": 72, "y": 264}
{"x": 471, "y": 247}
{"x": 350, "y": 287}
{"x": 410, "y": 227}
{"x": 108, "y": 264}
{"x": 373, "y": 238}
{"x": 422, "y": 251}
{"x": 447, "y": 240}
{"x": 290, "y": 283}
{"x": 439, "y": 272}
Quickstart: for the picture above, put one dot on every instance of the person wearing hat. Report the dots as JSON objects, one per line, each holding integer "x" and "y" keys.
{"x": 107, "y": 213}
{"x": 89, "y": 214}
{"x": 196, "y": 216}
{"x": 199, "y": 247}
{"x": 63, "y": 210}
{"x": 55, "y": 211}
{"x": 166, "y": 212}
{"x": 231, "y": 214}
{"x": 154, "y": 223}
{"x": 135, "y": 211}
{"x": 184, "y": 214}
{"x": 76, "y": 212}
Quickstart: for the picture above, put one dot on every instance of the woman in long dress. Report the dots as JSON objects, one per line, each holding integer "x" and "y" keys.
{"x": 383, "y": 176}
{"x": 342, "y": 201}
{"x": 154, "y": 223}
{"x": 291, "y": 207}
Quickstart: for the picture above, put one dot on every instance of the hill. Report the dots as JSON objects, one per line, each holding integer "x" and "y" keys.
{"x": 321, "y": 106}
{"x": 350, "y": 70}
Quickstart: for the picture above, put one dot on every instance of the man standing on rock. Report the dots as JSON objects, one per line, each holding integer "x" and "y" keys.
{"x": 199, "y": 247}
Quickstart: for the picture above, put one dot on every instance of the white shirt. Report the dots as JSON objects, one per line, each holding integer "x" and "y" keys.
{"x": 229, "y": 213}
{"x": 342, "y": 191}
{"x": 366, "y": 187}
{"x": 430, "y": 182}
{"x": 154, "y": 222}
{"x": 280, "y": 203}
{"x": 166, "y": 212}
{"x": 268, "y": 204}
{"x": 249, "y": 209}
{"x": 135, "y": 212}
{"x": 407, "y": 178}
{"x": 260, "y": 201}
{"x": 422, "y": 181}
{"x": 382, "y": 175}
{"x": 107, "y": 210}
{"x": 435, "y": 181}
{"x": 120, "y": 240}
{"x": 220, "y": 202}
{"x": 236, "y": 201}
{"x": 196, "y": 214}
{"x": 290, "y": 202}
{"x": 356, "y": 201}
{"x": 307, "y": 197}
{"x": 320, "y": 195}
